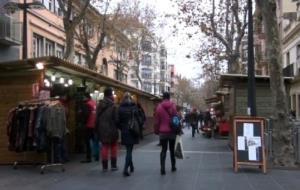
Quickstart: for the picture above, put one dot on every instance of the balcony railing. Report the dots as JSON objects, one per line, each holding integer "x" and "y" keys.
{"x": 10, "y": 31}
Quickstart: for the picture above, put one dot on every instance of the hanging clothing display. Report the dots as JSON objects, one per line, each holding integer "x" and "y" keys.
{"x": 30, "y": 126}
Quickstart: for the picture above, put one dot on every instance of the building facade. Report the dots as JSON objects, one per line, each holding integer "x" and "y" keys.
{"x": 46, "y": 37}
{"x": 148, "y": 67}
{"x": 289, "y": 17}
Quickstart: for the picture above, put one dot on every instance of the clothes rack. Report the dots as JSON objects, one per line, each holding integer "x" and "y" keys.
{"x": 51, "y": 162}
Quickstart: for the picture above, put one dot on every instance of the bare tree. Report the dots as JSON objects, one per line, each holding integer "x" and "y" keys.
{"x": 282, "y": 141}
{"x": 92, "y": 32}
{"x": 73, "y": 12}
{"x": 138, "y": 23}
{"x": 226, "y": 22}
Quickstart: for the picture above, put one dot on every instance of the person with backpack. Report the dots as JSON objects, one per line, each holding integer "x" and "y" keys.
{"x": 128, "y": 123}
{"x": 89, "y": 117}
{"x": 107, "y": 131}
{"x": 163, "y": 114}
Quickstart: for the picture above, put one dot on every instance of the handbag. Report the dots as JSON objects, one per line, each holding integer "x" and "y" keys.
{"x": 178, "y": 147}
{"x": 133, "y": 124}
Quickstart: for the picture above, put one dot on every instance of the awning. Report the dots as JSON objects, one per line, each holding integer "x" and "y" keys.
{"x": 70, "y": 68}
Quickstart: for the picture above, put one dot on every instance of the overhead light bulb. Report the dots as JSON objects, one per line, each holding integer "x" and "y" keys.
{"x": 47, "y": 84}
{"x": 61, "y": 80}
{"x": 70, "y": 82}
{"x": 39, "y": 66}
{"x": 96, "y": 91}
{"x": 66, "y": 85}
{"x": 53, "y": 78}
{"x": 46, "y": 81}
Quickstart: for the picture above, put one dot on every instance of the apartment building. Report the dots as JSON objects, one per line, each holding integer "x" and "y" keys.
{"x": 172, "y": 78}
{"x": 289, "y": 23}
{"x": 164, "y": 83}
{"x": 261, "y": 65}
{"x": 149, "y": 66}
{"x": 46, "y": 37}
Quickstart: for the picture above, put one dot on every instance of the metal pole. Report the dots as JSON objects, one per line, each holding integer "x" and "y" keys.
{"x": 251, "y": 66}
{"x": 24, "y": 52}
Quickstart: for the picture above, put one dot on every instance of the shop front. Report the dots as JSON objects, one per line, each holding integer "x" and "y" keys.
{"x": 30, "y": 83}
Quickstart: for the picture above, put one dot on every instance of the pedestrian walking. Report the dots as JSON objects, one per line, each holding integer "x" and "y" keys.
{"x": 194, "y": 121}
{"x": 128, "y": 115}
{"x": 89, "y": 118}
{"x": 107, "y": 131}
{"x": 142, "y": 119}
{"x": 162, "y": 127}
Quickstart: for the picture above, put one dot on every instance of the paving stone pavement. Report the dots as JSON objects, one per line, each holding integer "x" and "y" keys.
{"x": 207, "y": 166}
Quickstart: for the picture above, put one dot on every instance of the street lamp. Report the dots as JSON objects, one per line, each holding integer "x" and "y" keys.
{"x": 251, "y": 72}
{"x": 14, "y": 6}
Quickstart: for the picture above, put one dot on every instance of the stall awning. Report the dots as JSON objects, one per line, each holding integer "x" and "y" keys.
{"x": 70, "y": 68}
{"x": 226, "y": 80}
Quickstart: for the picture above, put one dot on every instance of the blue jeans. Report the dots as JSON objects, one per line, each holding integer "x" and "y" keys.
{"x": 128, "y": 159}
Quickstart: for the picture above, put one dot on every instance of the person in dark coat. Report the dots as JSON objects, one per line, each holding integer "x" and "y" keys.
{"x": 128, "y": 138}
{"x": 194, "y": 121}
{"x": 106, "y": 127}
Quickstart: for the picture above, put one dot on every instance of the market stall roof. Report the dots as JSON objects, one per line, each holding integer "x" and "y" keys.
{"x": 212, "y": 100}
{"x": 226, "y": 80}
{"x": 71, "y": 68}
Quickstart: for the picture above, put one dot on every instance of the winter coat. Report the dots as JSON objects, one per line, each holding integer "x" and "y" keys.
{"x": 125, "y": 110}
{"x": 193, "y": 119}
{"x": 90, "y": 116}
{"x": 106, "y": 121}
{"x": 162, "y": 117}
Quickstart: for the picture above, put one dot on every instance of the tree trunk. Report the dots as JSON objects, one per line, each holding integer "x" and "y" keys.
{"x": 70, "y": 43}
{"x": 233, "y": 64}
{"x": 282, "y": 141}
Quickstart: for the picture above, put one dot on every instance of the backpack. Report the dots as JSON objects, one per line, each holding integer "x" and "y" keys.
{"x": 174, "y": 122}
{"x": 133, "y": 124}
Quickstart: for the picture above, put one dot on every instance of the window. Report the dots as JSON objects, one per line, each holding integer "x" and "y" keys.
{"x": 287, "y": 58}
{"x": 77, "y": 58}
{"x": 146, "y": 46}
{"x": 146, "y": 60}
{"x": 58, "y": 10}
{"x": 49, "y": 48}
{"x": 51, "y": 5}
{"x": 298, "y": 51}
{"x": 59, "y": 51}
{"x": 147, "y": 87}
{"x": 146, "y": 73}
{"x": 83, "y": 59}
{"x": 104, "y": 66}
{"x": 37, "y": 46}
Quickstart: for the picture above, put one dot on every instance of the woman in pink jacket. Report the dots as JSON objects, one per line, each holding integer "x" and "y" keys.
{"x": 167, "y": 136}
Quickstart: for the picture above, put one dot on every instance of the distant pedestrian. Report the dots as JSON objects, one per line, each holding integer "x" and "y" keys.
{"x": 128, "y": 114}
{"x": 162, "y": 127}
{"x": 194, "y": 121}
{"x": 106, "y": 125}
{"x": 89, "y": 118}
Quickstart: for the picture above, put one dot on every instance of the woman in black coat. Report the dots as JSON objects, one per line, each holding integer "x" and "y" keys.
{"x": 128, "y": 138}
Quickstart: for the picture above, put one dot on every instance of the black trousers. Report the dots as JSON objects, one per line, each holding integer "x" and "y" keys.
{"x": 88, "y": 136}
{"x": 163, "y": 154}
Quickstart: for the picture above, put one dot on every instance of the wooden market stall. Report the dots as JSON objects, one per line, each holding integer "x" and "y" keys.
{"x": 236, "y": 100}
{"x": 21, "y": 80}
